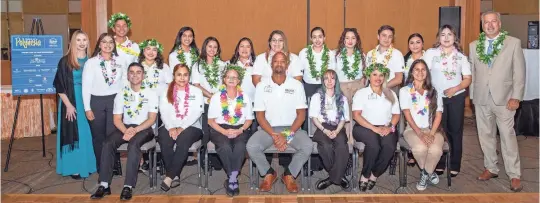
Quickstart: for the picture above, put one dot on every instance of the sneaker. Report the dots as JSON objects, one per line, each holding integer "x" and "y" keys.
{"x": 422, "y": 183}
{"x": 434, "y": 178}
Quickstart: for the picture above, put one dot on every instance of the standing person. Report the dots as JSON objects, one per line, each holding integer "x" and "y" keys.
{"x": 280, "y": 124}
{"x": 451, "y": 73}
{"x": 75, "y": 154}
{"x": 135, "y": 111}
{"x": 277, "y": 42}
{"x": 376, "y": 112}
{"x": 180, "y": 111}
{"x": 244, "y": 56}
{"x": 120, "y": 24}
{"x": 101, "y": 80}
{"x": 390, "y": 57}
{"x": 422, "y": 107}
{"x": 350, "y": 61}
{"x": 329, "y": 111}
{"x": 499, "y": 74}
{"x": 416, "y": 51}
{"x": 184, "y": 49}
{"x": 157, "y": 74}
{"x": 230, "y": 115}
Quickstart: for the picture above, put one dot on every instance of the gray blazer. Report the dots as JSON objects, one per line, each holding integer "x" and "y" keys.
{"x": 506, "y": 77}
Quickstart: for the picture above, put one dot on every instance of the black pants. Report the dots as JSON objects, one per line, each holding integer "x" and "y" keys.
{"x": 452, "y": 123}
{"x": 379, "y": 150}
{"x": 333, "y": 152}
{"x": 175, "y": 159}
{"x": 102, "y": 125}
{"x": 109, "y": 151}
{"x": 232, "y": 152}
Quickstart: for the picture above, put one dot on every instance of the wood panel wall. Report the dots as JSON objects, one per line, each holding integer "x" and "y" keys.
{"x": 516, "y": 7}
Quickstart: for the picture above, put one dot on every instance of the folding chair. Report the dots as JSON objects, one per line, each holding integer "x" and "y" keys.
{"x": 195, "y": 148}
{"x": 147, "y": 147}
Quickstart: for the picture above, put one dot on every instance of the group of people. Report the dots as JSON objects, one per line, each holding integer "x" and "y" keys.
{"x": 117, "y": 94}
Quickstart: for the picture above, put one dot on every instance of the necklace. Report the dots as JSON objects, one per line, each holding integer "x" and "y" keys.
{"x": 355, "y": 66}
{"x": 176, "y": 103}
{"x": 225, "y": 105}
{"x": 311, "y": 61}
{"x": 128, "y": 98}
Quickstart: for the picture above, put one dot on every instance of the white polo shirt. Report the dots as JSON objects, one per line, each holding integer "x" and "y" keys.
{"x": 447, "y": 75}
{"x": 330, "y": 108}
{"x": 279, "y": 102}
{"x": 197, "y": 77}
{"x": 215, "y": 109}
{"x": 419, "y": 115}
{"x": 317, "y": 58}
{"x": 157, "y": 79}
{"x": 195, "y": 109}
{"x": 395, "y": 64}
{"x": 339, "y": 68}
{"x": 173, "y": 59}
{"x": 262, "y": 66}
{"x": 93, "y": 81}
{"x": 132, "y": 55}
{"x": 127, "y": 101}
{"x": 376, "y": 109}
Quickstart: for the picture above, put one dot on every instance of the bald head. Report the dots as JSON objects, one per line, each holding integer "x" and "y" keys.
{"x": 280, "y": 62}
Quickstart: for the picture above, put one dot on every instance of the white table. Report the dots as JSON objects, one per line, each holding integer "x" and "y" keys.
{"x": 532, "y": 74}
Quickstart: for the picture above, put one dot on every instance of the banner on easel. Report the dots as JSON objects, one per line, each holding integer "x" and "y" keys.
{"x": 34, "y": 60}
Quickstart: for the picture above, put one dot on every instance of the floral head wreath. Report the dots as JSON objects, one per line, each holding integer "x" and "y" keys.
{"x": 119, "y": 16}
{"x": 379, "y": 67}
{"x": 237, "y": 68}
{"x": 151, "y": 42}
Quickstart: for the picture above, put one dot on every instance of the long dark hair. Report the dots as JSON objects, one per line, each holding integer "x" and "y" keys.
{"x": 341, "y": 43}
{"x": 236, "y": 55}
{"x": 427, "y": 86}
{"x": 457, "y": 45}
{"x": 159, "y": 59}
{"x": 97, "y": 49}
{"x": 408, "y": 40}
{"x": 178, "y": 40}
{"x": 203, "y": 54}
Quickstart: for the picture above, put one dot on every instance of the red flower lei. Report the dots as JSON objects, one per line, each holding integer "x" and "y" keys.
{"x": 176, "y": 102}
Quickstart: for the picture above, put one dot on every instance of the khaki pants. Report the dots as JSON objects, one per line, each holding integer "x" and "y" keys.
{"x": 426, "y": 156}
{"x": 349, "y": 89}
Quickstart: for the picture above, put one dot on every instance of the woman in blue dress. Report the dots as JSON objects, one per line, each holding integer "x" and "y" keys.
{"x": 74, "y": 153}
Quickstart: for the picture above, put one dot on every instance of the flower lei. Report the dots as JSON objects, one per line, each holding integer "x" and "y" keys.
{"x": 481, "y": 47}
{"x": 108, "y": 80}
{"x": 410, "y": 59}
{"x": 127, "y": 48}
{"x": 182, "y": 58}
{"x": 119, "y": 16}
{"x": 151, "y": 42}
{"x": 287, "y": 134}
{"x": 355, "y": 66}
{"x": 155, "y": 78}
{"x": 387, "y": 57}
{"x": 422, "y": 111}
{"x": 339, "y": 113}
{"x": 177, "y": 103}
{"x": 127, "y": 102}
{"x": 449, "y": 73}
{"x": 225, "y": 105}
{"x": 211, "y": 74}
{"x": 311, "y": 60}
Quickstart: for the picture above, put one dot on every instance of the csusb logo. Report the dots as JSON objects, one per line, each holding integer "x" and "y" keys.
{"x": 53, "y": 41}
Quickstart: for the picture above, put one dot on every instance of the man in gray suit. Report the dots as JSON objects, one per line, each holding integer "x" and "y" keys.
{"x": 498, "y": 69}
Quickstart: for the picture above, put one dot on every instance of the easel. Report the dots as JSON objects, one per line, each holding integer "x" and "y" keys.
{"x": 37, "y": 29}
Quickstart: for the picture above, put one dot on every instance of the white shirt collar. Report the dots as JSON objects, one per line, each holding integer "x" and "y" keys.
{"x": 487, "y": 38}
{"x": 125, "y": 42}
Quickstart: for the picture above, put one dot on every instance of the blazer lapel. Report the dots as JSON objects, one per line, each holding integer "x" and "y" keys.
{"x": 505, "y": 44}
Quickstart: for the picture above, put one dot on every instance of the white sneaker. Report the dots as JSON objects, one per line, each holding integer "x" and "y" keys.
{"x": 434, "y": 178}
{"x": 422, "y": 183}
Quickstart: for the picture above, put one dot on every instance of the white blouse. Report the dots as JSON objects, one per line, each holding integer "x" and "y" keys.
{"x": 262, "y": 66}
{"x": 446, "y": 72}
{"x": 395, "y": 64}
{"x": 215, "y": 109}
{"x": 330, "y": 108}
{"x": 317, "y": 57}
{"x": 339, "y": 68}
{"x": 93, "y": 79}
{"x": 197, "y": 77}
{"x": 376, "y": 109}
{"x": 420, "y": 108}
{"x": 157, "y": 79}
{"x": 124, "y": 103}
{"x": 195, "y": 109}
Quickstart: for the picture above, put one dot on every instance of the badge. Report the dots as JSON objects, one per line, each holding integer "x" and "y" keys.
{"x": 289, "y": 91}
{"x": 145, "y": 100}
{"x": 268, "y": 89}
{"x": 436, "y": 59}
{"x": 131, "y": 98}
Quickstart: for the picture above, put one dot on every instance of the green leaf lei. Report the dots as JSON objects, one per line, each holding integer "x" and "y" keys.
{"x": 311, "y": 60}
{"x": 355, "y": 66}
{"x": 211, "y": 74}
{"x": 182, "y": 59}
{"x": 119, "y": 16}
{"x": 481, "y": 47}
{"x": 376, "y": 66}
{"x": 151, "y": 42}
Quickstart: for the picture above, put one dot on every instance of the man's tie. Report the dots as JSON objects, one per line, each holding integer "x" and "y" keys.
{"x": 489, "y": 51}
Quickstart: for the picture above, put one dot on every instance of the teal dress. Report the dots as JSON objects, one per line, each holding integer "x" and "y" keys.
{"x": 81, "y": 160}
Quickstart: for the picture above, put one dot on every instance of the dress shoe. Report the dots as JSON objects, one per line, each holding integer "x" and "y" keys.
{"x": 165, "y": 187}
{"x": 268, "y": 181}
{"x": 362, "y": 186}
{"x": 101, "y": 192}
{"x": 228, "y": 190}
{"x": 515, "y": 185}
{"x": 371, "y": 184}
{"x": 323, "y": 184}
{"x": 439, "y": 172}
{"x": 454, "y": 174}
{"x": 145, "y": 166}
{"x": 237, "y": 191}
{"x": 76, "y": 177}
{"x": 290, "y": 183}
{"x": 486, "y": 175}
{"x": 344, "y": 183}
{"x": 126, "y": 194}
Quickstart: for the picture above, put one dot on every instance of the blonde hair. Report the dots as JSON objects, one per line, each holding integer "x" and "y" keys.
{"x": 71, "y": 53}
{"x": 285, "y": 49}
